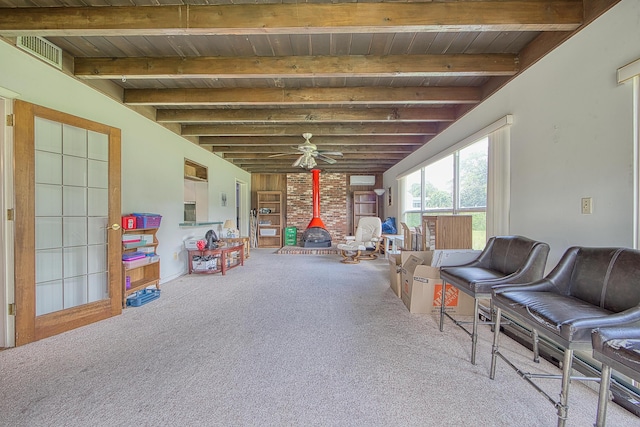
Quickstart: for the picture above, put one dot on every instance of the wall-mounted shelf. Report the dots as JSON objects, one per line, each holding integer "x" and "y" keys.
{"x": 194, "y": 171}
{"x": 198, "y": 224}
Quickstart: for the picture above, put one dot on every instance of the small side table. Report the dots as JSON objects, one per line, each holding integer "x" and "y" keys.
{"x": 398, "y": 243}
{"x": 223, "y": 253}
{"x": 390, "y": 239}
{"x": 244, "y": 240}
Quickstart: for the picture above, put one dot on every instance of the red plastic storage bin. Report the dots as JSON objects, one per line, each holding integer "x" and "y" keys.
{"x": 129, "y": 222}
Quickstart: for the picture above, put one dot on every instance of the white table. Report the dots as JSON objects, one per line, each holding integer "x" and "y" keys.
{"x": 392, "y": 239}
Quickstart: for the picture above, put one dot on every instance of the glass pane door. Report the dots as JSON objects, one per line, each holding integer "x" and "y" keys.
{"x": 71, "y": 216}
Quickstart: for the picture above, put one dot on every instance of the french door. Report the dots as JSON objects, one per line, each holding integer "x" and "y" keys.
{"x": 67, "y": 211}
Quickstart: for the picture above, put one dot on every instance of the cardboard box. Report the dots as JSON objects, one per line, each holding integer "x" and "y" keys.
{"x": 452, "y": 257}
{"x": 395, "y": 269}
{"x": 422, "y": 288}
{"x": 395, "y": 274}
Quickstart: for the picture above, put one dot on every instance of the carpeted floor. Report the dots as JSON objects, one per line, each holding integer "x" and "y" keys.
{"x": 283, "y": 341}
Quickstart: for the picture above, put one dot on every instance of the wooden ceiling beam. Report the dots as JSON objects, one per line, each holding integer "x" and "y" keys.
{"x": 307, "y": 115}
{"x": 319, "y": 140}
{"x": 304, "y": 96}
{"x": 291, "y": 157}
{"x": 299, "y": 18}
{"x": 298, "y": 129}
{"x": 288, "y": 162}
{"x": 365, "y": 168}
{"x": 298, "y": 66}
{"x": 332, "y": 140}
{"x": 364, "y": 148}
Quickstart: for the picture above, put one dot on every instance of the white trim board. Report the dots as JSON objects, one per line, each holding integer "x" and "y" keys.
{"x": 629, "y": 71}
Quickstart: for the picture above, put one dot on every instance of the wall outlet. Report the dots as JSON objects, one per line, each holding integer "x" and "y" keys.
{"x": 586, "y": 205}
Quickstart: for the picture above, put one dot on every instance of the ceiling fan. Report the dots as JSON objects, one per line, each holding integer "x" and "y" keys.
{"x": 309, "y": 153}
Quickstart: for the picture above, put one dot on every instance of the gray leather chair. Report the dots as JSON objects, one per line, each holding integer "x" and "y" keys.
{"x": 589, "y": 288}
{"x": 617, "y": 349}
{"x": 505, "y": 259}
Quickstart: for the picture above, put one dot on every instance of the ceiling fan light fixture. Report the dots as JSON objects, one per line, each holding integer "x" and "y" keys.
{"x": 308, "y": 162}
{"x": 309, "y": 153}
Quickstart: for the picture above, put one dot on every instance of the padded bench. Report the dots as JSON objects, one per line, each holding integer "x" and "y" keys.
{"x": 589, "y": 288}
{"x": 617, "y": 349}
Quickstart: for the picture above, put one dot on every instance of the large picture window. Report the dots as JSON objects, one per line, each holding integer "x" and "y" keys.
{"x": 453, "y": 185}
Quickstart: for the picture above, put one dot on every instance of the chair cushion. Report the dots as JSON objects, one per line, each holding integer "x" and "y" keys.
{"x": 607, "y": 277}
{"x": 618, "y": 345}
{"x": 626, "y": 351}
{"x": 552, "y": 312}
{"x": 510, "y": 253}
{"x": 368, "y": 228}
{"x": 471, "y": 278}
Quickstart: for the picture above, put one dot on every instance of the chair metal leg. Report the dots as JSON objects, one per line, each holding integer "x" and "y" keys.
{"x": 442, "y": 305}
{"x": 494, "y": 347}
{"x": 474, "y": 334}
{"x": 563, "y": 404}
{"x": 603, "y": 396}
{"x": 492, "y": 315}
{"x": 536, "y": 346}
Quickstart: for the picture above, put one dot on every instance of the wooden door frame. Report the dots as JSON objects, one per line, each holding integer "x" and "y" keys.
{"x": 30, "y": 327}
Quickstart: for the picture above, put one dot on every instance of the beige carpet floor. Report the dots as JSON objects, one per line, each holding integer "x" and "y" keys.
{"x": 286, "y": 340}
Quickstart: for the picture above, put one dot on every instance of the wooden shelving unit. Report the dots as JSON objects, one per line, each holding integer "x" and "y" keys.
{"x": 144, "y": 273}
{"x": 365, "y": 203}
{"x": 270, "y": 219}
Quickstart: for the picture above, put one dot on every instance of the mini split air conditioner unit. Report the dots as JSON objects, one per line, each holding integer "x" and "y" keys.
{"x": 362, "y": 180}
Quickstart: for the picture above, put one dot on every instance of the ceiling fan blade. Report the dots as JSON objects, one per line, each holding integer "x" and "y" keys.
{"x": 331, "y": 153}
{"x": 326, "y": 159}
{"x": 298, "y": 161}
{"x": 282, "y": 154}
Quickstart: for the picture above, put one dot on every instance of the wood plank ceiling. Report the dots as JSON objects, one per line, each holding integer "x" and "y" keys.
{"x": 373, "y": 80}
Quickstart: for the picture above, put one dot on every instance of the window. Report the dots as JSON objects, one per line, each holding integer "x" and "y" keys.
{"x": 453, "y": 185}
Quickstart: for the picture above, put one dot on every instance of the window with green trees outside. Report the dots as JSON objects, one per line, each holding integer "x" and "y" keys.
{"x": 453, "y": 185}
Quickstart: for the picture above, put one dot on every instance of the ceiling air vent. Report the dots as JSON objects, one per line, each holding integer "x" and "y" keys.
{"x": 41, "y": 48}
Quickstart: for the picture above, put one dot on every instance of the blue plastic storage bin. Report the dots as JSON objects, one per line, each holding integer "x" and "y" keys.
{"x": 142, "y": 297}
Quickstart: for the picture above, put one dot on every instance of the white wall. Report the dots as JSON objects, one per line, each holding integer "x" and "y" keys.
{"x": 571, "y": 138}
{"x": 152, "y": 156}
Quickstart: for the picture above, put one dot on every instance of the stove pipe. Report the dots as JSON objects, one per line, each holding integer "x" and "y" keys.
{"x": 315, "y": 220}
{"x": 316, "y": 235}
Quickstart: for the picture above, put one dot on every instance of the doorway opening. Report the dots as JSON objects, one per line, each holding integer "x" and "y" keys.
{"x": 242, "y": 214}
